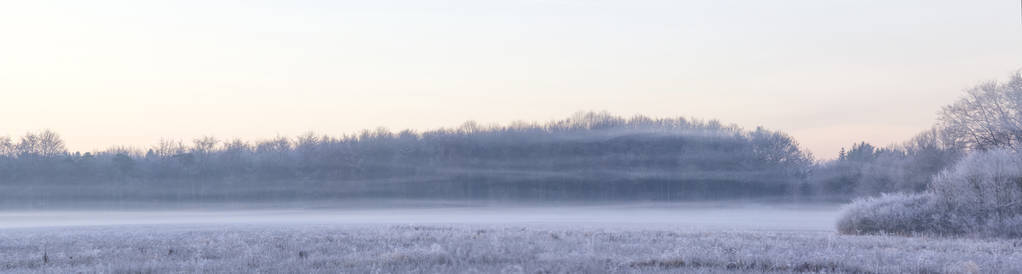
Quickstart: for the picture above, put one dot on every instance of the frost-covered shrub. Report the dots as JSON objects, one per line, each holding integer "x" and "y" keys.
{"x": 890, "y": 213}
{"x": 980, "y": 195}
{"x": 983, "y": 192}
{"x": 983, "y": 184}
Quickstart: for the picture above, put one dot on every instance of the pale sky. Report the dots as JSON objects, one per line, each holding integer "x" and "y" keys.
{"x": 830, "y": 73}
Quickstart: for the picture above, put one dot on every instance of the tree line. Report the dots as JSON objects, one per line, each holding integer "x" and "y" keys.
{"x": 588, "y": 156}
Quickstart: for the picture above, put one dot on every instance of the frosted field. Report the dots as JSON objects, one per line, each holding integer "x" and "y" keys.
{"x": 617, "y": 239}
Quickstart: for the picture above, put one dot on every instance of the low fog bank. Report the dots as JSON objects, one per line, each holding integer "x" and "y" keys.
{"x": 16, "y": 204}
{"x": 704, "y": 215}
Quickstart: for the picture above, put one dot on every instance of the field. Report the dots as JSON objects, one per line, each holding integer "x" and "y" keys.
{"x": 480, "y": 245}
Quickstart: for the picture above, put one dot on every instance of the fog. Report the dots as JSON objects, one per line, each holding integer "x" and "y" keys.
{"x": 738, "y": 216}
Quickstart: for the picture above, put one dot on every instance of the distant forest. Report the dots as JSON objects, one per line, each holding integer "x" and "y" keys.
{"x": 589, "y": 156}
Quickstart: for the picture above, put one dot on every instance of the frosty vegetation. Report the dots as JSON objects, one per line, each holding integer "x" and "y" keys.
{"x": 866, "y": 170}
{"x": 979, "y": 195}
{"x": 591, "y": 156}
{"x": 989, "y": 116}
{"x": 486, "y": 249}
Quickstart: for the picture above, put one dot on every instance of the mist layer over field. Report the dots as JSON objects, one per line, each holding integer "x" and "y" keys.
{"x": 715, "y": 215}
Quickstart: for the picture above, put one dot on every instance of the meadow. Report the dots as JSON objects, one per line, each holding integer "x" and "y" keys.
{"x": 474, "y": 243}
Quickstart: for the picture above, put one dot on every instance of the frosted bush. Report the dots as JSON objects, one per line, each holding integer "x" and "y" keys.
{"x": 980, "y": 195}
{"x": 889, "y": 213}
{"x": 1005, "y": 227}
{"x": 983, "y": 184}
{"x": 983, "y": 193}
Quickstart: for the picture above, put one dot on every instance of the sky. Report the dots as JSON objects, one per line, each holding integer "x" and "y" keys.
{"x": 109, "y": 73}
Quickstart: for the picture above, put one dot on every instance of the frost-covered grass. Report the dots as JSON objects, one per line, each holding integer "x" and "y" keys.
{"x": 478, "y": 248}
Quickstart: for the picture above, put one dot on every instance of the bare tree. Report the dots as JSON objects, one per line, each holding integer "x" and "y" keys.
{"x": 988, "y": 116}
{"x": 45, "y": 144}
{"x": 205, "y": 145}
{"x": 168, "y": 148}
{"x": 7, "y": 147}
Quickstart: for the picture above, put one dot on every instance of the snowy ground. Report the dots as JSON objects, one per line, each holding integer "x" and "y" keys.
{"x": 479, "y": 240}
